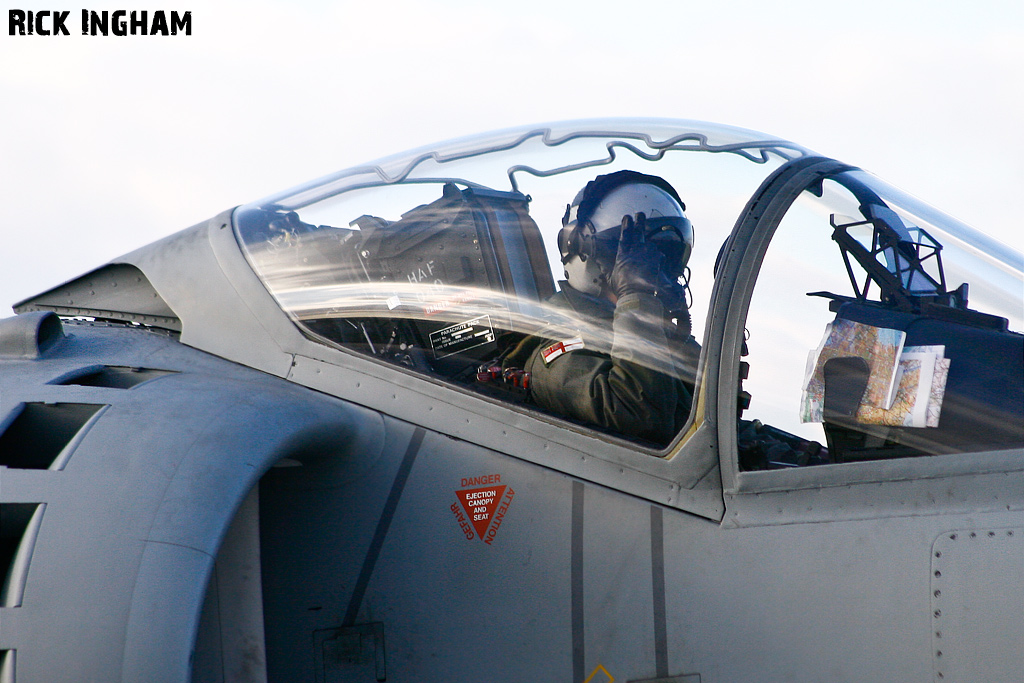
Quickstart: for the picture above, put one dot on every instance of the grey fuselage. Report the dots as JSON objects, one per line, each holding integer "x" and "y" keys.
{"x": 221, "y": 497}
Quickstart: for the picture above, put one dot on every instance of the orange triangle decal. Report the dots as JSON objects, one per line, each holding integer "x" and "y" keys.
{"x": 480, "y": 505}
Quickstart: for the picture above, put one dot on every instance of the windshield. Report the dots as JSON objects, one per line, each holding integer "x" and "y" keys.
{"x": 446, "y": 261}
{"x": 859, "y": 270}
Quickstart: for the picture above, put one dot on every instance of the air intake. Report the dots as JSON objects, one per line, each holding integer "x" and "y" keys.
{"x": 19, "y": 526}
{"x": 115, "y": 377}
{"x": 7, "y": 666}
{"x": 40, "y": 432}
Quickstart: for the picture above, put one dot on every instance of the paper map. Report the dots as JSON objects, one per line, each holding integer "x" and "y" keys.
{"x": 905, "y": 385}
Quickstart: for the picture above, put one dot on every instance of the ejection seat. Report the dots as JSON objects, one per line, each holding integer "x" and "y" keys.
{"x": 436, "y": 290}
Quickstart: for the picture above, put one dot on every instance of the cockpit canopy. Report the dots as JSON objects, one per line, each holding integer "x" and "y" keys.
{"x": 421, "y": 235}
{"x": 439, "y": 259}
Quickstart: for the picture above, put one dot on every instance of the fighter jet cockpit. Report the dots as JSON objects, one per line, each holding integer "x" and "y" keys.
{"x": 620, "y": 280}
{"x": 647, "y": 385}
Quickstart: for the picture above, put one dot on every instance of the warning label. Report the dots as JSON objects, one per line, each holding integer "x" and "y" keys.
{"x": 480, "y": 511}
{"x": 461, "y": 337}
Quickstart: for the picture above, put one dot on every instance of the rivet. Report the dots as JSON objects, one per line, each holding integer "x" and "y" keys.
{"x": 937, "y": 573}
{"x": 938, "y": 613}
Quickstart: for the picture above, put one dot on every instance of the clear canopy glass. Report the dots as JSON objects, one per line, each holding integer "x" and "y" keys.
{"x": 445, "y": 258}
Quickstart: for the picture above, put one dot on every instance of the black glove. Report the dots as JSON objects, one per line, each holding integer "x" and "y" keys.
{"x": 673, "y": 297}
{"x": 637, "y": 263}
{"x": 638, "y": 269}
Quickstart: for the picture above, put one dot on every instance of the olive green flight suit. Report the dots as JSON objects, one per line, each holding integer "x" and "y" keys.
{"x": 632, "y": 386}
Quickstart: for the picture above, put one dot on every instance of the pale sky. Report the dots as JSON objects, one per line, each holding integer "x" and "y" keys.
{"x": 113, "y": 142}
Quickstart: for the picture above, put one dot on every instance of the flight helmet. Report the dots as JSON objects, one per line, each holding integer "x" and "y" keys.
{"x": 591, "y": 226}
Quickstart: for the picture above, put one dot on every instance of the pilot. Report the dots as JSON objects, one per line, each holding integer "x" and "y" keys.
{"x": 624, "y": 245}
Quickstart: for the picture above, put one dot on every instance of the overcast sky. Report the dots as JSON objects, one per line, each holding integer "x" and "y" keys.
{"x": 113, "y": 142}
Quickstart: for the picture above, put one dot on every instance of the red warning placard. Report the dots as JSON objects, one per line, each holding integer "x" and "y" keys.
{"x": 482, "y": 509}
{"x": 480, "y": 505}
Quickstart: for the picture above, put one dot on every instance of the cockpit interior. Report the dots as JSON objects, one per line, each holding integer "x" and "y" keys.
{"x": 868, "y": 325}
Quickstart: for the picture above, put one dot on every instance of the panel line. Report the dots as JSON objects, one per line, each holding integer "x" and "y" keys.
{"x": 658, "y": 588}
{"x": 576, "y": 584}
{"x": 355, "y": 602}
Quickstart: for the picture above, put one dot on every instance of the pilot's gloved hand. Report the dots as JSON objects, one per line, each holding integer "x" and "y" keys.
{"x": 673, "y": 297}
{"x": 637, "y": 267}
{"x": 638, "y": 270}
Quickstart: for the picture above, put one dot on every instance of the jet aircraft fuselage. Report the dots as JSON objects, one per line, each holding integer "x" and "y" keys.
{"x": 289, "y": 443}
